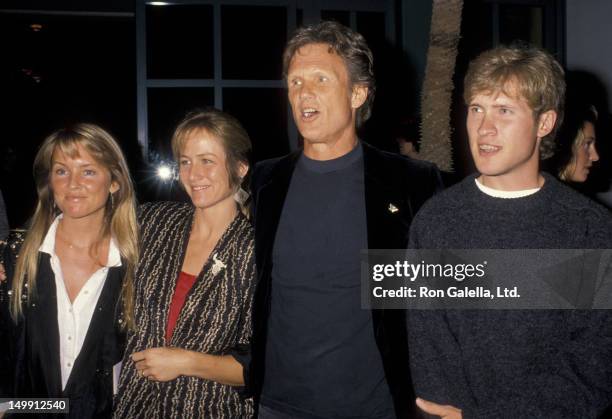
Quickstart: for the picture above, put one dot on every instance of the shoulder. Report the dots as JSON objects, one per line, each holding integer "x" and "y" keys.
{"x": 398, "y": 162}
{"x": 157, "y": 219}
{"x": 573, "y": 205}
{"x": 158, "y": 210}
{"x": 9, "y": 248}
{"x": 418, "y": 179}
{"x": 243, "y": 230}
{"x": 264, "y": 170}
{"x": 449, "y": 202}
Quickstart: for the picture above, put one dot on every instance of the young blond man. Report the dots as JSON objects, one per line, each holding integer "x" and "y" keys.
{"x": 512, "y": 363}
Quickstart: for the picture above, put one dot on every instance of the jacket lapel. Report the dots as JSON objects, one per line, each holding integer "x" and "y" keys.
{"x": 270, "y": 201}
{"x": 387, "y": 206}
{"x": 44, "y": 332}
{"x": 103, "y": 317}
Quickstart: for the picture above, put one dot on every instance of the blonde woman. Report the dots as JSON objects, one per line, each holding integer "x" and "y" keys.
{"x": 69, "y": 281}
{"x": 194, "y": 284}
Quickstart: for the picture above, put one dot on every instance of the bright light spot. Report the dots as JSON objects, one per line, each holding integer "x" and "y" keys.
{"x": 164, "y": 172}
{"x": 158, "y": 3}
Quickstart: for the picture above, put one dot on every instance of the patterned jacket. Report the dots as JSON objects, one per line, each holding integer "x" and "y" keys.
{"x": 216, "y": 317}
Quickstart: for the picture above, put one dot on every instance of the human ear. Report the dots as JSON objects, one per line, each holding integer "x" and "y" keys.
{"x": 114, "y": 187}
{"x": 243, "y": 169}
{"x": 359, "y": 95}
{"x": 546, "y": 123}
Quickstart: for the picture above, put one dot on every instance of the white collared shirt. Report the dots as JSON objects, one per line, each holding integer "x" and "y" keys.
{"x": 73, "y": 318}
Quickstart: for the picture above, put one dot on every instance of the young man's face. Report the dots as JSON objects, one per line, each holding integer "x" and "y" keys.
{"x": 504, "y": 138}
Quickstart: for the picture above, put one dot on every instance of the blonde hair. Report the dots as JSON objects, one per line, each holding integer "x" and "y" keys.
{"x": 119, "y": 214}
{"x": 228, "y": 130}
{"x": 533, "y": 72}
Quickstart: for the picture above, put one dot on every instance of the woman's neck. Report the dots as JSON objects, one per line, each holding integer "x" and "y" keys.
{"x": 212, "y": 221}
{"x": 81, "y": 232}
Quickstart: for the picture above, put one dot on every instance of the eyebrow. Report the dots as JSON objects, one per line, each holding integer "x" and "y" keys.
{"x": 64, "y": 164}
{"x": 182, "y": 156}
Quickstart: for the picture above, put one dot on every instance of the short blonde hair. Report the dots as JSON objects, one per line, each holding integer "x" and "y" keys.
{"x": 536, "y": 75}
{"x": 234, "y": 138}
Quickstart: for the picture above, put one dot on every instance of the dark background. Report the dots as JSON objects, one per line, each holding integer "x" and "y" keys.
{"x": 66, "y": 61}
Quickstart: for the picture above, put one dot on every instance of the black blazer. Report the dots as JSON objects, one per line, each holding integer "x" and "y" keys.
{"x": 32, "y": 363}
{"x": 389, "y": 179}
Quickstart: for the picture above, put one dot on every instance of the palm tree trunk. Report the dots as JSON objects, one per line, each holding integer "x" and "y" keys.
{"x": 436, "y": 97}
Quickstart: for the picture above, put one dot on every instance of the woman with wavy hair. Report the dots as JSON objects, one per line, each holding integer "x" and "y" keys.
{"x": 576, "y": 151}
{"x": 69, "y": 282}
{"x": 194, "y": 284}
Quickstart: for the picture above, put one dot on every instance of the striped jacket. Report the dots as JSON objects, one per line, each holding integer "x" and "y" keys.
{"x": 216, "y": 317}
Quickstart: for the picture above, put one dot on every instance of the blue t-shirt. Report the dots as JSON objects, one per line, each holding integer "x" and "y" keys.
{"x": 321, "y": 355}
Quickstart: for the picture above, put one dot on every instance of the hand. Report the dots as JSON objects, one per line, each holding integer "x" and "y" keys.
{"x": 2, "y": 273}
{"x": 161, "y": 364}
{"x": 445, "y": 412}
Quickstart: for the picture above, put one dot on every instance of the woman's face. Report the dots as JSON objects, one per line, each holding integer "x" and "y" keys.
{"x": 203, "y": 170}
{"x": 80, "y": 185}
{"x": 585, "y": 154}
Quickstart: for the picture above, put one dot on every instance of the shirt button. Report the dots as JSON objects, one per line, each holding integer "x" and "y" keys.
{"x": 69, "y": 337}
{"x": 86, "y": 292}
{"x": 70, "y": 310}
{"x": 69, "y": 364}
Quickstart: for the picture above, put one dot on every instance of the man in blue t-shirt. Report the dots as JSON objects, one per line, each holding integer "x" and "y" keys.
{"x": 315, "y": 352}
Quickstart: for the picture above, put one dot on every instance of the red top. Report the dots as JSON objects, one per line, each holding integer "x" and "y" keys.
{"x": 183, "y": 285}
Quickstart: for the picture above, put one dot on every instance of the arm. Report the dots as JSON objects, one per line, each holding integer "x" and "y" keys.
{"x": 573, "y": 381}
{"x": 165, "y": 364}
{"x": 577, "y": 381}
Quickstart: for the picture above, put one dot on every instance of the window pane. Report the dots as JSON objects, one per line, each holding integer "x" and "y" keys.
{"x": 299, "y": 17}
{"x": 372, "y": 26}
{"x": 57, "y": 70}
{"x": 263, "y": 112}
{"x": 180, "y": 42}
{"x": 253, "y": 39}
{"x": 340, "y": 16}
{"x": 523, "y": 23}
{"x": 167, "y": 107}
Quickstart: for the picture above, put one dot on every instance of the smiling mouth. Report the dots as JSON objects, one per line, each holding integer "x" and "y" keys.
{"x": 199, "y": 188}
{"x": 488, "y": 148}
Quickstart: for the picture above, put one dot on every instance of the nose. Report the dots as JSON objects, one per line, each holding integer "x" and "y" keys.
{"x": 593, "y": 155}
{"x": 74, "y": 181}
{"x": 486, "y": 126}
{"x": 306, "y": 90}
{"x": 195, "y": 172}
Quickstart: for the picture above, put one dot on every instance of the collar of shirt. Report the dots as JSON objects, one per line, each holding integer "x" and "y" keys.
{"x": 497, "y": 193}
{"x": 48, "y": 245}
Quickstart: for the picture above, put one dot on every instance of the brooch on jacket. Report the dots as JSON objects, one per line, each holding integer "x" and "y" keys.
{"x": 218, "y": 265}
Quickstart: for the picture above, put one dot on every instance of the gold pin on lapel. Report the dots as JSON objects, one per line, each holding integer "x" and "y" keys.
{"x": 393, "y": 209}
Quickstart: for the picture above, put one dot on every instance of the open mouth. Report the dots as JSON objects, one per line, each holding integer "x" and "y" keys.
{"x": 488, "y": 148}
{"x": 309, "y": 113}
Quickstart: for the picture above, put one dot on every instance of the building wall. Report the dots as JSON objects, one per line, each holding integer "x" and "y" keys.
{"x": 589, "y": 39}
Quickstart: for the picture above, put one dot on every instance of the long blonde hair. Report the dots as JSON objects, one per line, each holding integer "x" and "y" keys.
{"x": 119, "y": 216}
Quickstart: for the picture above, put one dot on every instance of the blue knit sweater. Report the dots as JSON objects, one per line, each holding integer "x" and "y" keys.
{"x": 513, "y": 363}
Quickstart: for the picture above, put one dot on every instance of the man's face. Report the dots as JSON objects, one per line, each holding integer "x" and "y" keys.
{"x": 504, "y": 137}
{"x": 321, "y": 97}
